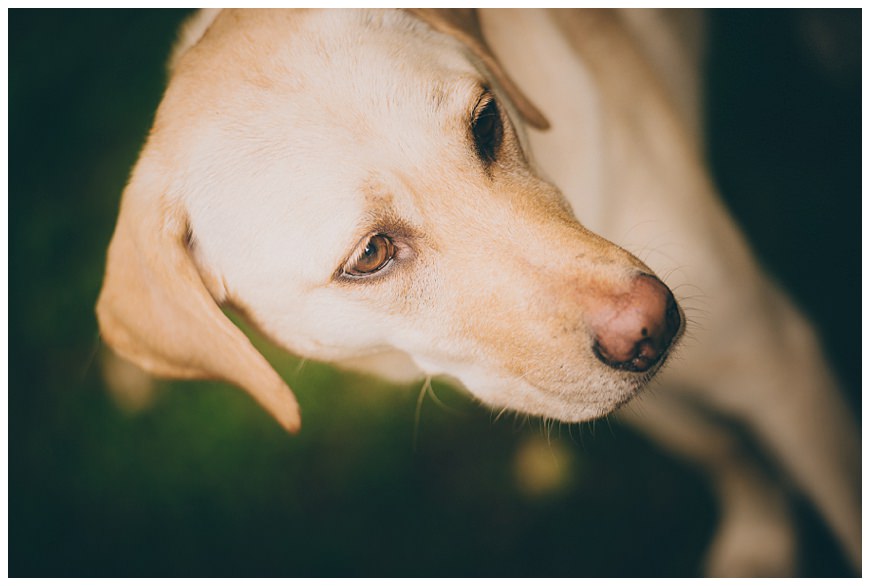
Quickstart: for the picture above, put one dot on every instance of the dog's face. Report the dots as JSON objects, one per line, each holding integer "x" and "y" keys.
{"x": 356, "y": 185}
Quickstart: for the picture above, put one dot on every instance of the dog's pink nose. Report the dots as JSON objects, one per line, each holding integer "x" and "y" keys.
{"x": 633, "y": 331}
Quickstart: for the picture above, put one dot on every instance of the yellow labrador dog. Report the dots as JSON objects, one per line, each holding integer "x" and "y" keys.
{"x": 456, "y": 193}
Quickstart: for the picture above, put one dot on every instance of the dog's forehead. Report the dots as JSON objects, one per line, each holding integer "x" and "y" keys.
{"x": 306, "y": 85}
{"x": 311, "y": 62}
{"x": 281, "y": 120}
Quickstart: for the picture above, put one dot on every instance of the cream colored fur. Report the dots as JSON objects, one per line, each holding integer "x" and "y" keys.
{"x": 285, "y": 138}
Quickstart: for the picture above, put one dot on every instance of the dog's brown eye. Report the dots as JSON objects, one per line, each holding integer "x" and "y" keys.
{"x": 487, "y": 130}
{"x": 378, "y": 251}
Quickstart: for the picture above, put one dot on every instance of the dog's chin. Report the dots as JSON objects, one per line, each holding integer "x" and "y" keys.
{"x": 569, "y": 411}
{"x": 570, "y": 403}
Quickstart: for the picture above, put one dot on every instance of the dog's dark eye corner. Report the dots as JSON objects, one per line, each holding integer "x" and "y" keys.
{"x": 486, "y": 129}
{"x": 189, "y": 238}
{"x": 372, "y": 256}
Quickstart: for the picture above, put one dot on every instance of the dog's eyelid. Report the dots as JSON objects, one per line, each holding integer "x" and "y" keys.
{"x": 484, "y": 98}
{"x": 356, "y": 254}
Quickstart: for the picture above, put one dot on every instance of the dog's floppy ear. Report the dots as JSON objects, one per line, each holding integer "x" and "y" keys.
{"x": 463, "y": 25}
{"x": 155, "y": 310}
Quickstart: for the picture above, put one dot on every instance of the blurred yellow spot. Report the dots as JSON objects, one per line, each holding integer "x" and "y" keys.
{"x": 541, "y": 467}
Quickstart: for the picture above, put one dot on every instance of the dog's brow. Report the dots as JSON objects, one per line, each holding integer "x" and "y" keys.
{"x": 462, "y": 91}
{"x": 386, "y": 222}
{"x": 381, "y": 215}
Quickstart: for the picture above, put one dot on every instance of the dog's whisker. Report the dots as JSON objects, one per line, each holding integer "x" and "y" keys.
{"x": 298, "y": 370}
{"x": 656, "y": 245}
{"x": 574, "y": 440}
{"x": 633, "y": 227}
{"x": 680, "y": 287}
{"x": 501, "y": 412}
{"x": 419, "y": 409}
{"x": 607, "y": 420}
{"x": 694, "y": 307}
{"x": 89, "y": 361}
{"x": 430, "y": 391}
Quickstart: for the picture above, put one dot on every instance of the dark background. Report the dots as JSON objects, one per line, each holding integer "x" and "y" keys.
{"x": 203, "y": 483}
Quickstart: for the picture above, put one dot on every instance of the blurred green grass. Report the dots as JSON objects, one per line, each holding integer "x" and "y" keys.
{"x": 203, "y": 483}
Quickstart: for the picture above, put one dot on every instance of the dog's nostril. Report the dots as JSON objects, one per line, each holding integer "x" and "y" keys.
{"x": 632, "y": 332}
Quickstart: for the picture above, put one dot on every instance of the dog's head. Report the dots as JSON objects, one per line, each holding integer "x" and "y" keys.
{"x": 356, "y": 183}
